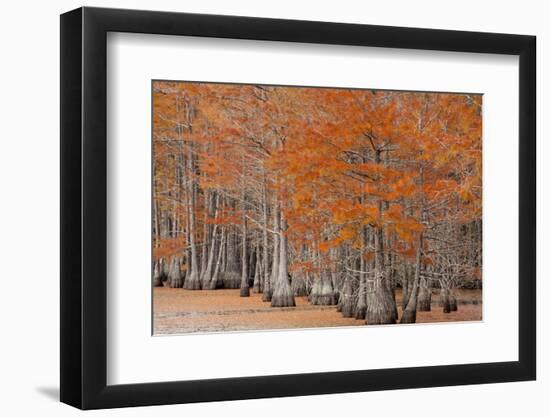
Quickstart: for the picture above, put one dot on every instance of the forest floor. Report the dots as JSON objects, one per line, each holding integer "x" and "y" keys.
{"x": 178, "y": 310}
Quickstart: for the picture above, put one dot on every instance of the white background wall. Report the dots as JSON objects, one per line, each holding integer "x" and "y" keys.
{"x": 29, "y": 219}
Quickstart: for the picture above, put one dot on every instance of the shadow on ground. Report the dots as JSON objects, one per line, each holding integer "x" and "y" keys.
{"x": 50, "y": 392}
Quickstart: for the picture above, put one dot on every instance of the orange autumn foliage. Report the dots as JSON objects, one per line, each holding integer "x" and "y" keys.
{"x": 334, "y": 159}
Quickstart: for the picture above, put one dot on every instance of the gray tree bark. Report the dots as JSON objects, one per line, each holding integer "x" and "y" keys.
{"x": 244, "y": 289}
{"x": 282, "y": 293}
{"x": 271, "y": 279}
{"x": 192, "y": 281}
{"x": 257, "y": 286}
{"x": 409, "y": 314}
{"x": 206, "y": 276}
{"x": 157, "y": 277}
{"x": 216, "y": 281}
{"x": 174, "y": 276}
{"x": 380, "y": 305}
{"x": 424, "y": 296}
{"x": 347, "y": 301}
{"x": 232, "y": 274}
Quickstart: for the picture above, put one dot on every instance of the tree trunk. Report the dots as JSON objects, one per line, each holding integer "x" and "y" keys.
{"x": 257, "y": 285}
{"x": 232, "y": 274}
{"x": 389, "y": 277}
{"x": 245, "y": 290}
{"x": 406, "y": 285}
{"x": 205, "y": 234}
{"x": 206, "y": 276}
{"x": 346, "y": 299}
{"x": 444, "y": 300}
{"x": 174, "y": 276}
{"x": 216, "y": 281}
{"x": 360, "y": 310}
{"x": 188, "y": 254}
{"x": 164, "y": 269}
{"x": 424, "y": 296}
{"x": 298, "y": 282}
{"x": 380, "y": 306}
{"x": 282, "y": 293}
{"x": 452, "y": 301}
{"x": 192, "y": 281}
{"x": 409, "y": 314}
{"x": 322, "y": 292}
{"x": 266, "y": 287}
{"x": 157, "y": 278}
{"x": 299, "y": 288}
{"x": 336, "y": 285}
{"x": 271, "y": 279}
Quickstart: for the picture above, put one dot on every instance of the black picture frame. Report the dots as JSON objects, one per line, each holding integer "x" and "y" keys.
{"x": 84, "y": 207}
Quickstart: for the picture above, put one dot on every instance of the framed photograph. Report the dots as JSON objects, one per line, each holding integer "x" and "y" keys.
{"x": 259, "y": 208}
